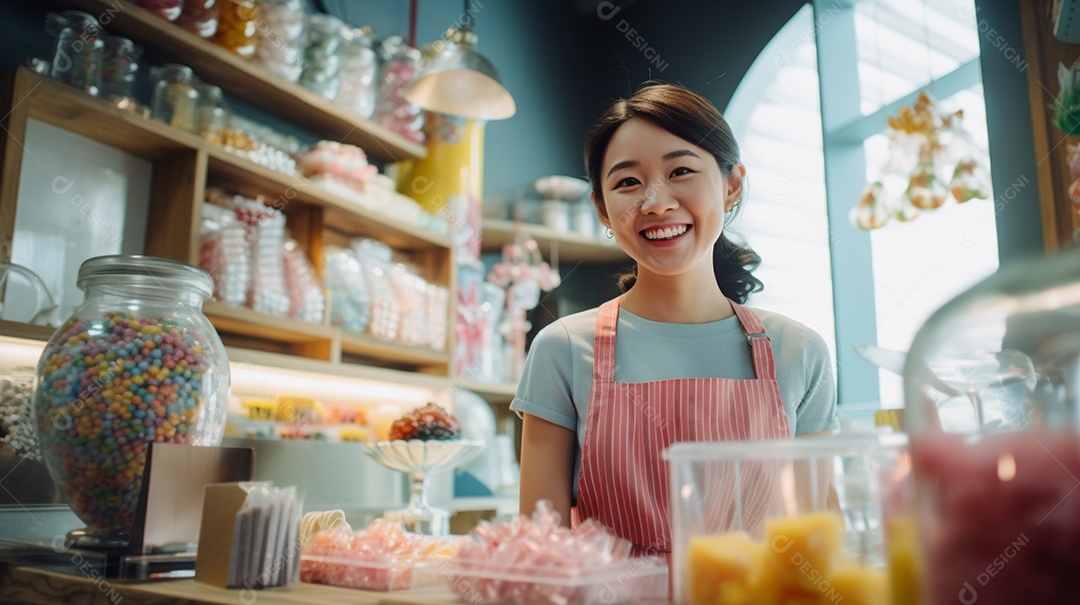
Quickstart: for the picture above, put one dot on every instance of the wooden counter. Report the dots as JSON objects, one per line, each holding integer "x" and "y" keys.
{"x": 31, "y": 585}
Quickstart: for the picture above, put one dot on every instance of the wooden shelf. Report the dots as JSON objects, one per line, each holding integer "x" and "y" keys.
{"x": 248, "y": 178}
{"x": 571, "y": 247}
{"x": 344, "y": 370}
{"x": 493, "y": 393}
{"x": 246, "y": 81}
{"x": 73, "y": 110}
{"x": 249, "y": 328}
{"x": 17, "y": 329}
{"x": 426, "y": 359}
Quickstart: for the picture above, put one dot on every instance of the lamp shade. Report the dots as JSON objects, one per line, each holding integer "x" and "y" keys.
{"x": 460, "y": 81}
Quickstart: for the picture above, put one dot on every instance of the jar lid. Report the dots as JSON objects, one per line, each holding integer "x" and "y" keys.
{"x": 327, "y": 23}
{"x": 120, "y": 44}
{"x": 145, "y": 271}
{"x": 175, "y": 68}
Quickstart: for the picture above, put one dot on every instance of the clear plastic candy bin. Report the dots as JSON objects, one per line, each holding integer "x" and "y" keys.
{"x": 784, "y": 521}
{"x": 638, "y": 580}
{"x": 993, "y": 410}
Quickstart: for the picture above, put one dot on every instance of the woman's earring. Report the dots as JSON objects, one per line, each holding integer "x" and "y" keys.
{"x": 608, "y": 233}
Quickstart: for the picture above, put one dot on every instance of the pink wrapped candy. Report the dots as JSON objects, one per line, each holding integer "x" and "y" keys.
{"x": 380, "y": 557}
{"x": 344, "y": 162}
{"x": 534, "y": 560}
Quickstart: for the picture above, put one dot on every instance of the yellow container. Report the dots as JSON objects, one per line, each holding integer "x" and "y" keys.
{"x": 260, "y": 409}
{"x": 301, "y": 410}
{"x": 448, "y": 182}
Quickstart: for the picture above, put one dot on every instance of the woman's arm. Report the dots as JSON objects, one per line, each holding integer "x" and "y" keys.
{"x": 547, "y": 466}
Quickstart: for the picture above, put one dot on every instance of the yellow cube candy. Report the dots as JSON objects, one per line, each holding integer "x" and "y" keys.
{"x": 802, "y": 551}
{"x": 858, "y": 585}
{"x": 905, "y": 579}
{"x": 722, "y": 565}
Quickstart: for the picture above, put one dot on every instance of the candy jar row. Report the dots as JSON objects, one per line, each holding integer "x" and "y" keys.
{"x": 88, "y": 58}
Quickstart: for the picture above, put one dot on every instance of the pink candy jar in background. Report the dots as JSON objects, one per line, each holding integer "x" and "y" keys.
{"x": 994, "y": 415}
{"x": 200, "y": 17}
{"x": 401, "y": 64}
{"x": 166, "y": 9}
{"x": 136, "y": 363}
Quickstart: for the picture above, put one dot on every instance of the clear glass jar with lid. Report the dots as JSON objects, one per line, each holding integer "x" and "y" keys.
{"x": 280, "y": 32}
{"x": 175, "y": 98}
{"x": 213, "y": 114}
{"x": 394, "y": 111}
{"x": 993, "y": 407}
{"x": 118, "y": 69}
{"x": 322, "y": 64}
{"x": 79, "y": 49}
{"x": 136, "y": 363}
{"x": 359, "y": 73}
{"x": 236, "y": 27}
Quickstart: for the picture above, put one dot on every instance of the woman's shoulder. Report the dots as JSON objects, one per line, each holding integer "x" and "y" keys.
{"x": 789, "y": 332}
{"x": 570, "y": 329}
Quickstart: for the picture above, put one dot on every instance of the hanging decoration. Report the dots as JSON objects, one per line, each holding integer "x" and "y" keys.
{"x": 931, "y": 158}
{"x": 524, "y": 274}
{"x": 1067, "y": 119}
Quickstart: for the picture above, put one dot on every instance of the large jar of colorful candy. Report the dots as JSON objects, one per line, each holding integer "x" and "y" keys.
{"x": 136, "y": 363}
{"x": 993, "y": 408}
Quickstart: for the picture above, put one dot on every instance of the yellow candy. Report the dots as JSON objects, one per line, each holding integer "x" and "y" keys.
{"x": 803, "y": 550}
{"x": 857, "y": 585}
{"x": 904, "y": 575}
{"x": 721, "y": 562}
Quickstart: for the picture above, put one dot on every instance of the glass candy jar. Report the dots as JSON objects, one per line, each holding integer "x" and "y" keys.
{"x": 236, "y": 27}
{"x": 359, "y": 70}
{"x": 322, "y": 65}
{"x": 199, "y": 17}
{"x": 169, "y": 10}
{"x": 213, "y": 115}
{"x": 136, "y": 363}
{"x": 994, "y": 415}
{"x": 175, "y": 98}
{"x": 79, "y": 49}
{"x": 394, "y": 111}
{"x": 118, "y": 70}
{"x": 280, "y": 32}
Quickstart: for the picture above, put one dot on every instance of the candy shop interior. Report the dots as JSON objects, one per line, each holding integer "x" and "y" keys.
{"x": 270, "y": 271}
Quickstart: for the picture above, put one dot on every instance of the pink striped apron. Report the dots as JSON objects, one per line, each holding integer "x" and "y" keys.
{"x": 623, "y": 481}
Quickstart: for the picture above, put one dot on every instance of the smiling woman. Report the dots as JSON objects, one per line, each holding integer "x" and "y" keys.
{"x": 676, "y": 357}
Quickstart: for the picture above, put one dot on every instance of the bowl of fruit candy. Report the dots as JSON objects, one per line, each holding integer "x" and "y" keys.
{"x": 424, "y": 441}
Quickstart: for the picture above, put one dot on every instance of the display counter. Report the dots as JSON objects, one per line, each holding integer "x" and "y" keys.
{"x": 30, "y": 585}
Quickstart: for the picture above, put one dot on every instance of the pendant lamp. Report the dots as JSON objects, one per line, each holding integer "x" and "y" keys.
{"x": 459, "y": 81}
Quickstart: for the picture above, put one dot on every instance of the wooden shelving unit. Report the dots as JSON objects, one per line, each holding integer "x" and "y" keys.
{"x": 571, "y": 247}
{"x": 184, "y": 165}
{"x": 245, "y": 80}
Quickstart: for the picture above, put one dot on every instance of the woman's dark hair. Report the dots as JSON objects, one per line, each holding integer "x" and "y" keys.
{"x": 693, "y": 118}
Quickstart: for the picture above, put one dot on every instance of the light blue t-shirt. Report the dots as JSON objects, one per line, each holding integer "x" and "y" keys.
{"x": 556, "y": 382}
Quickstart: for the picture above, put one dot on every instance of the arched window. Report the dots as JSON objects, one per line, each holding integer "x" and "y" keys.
{"x": 811, "y": 116}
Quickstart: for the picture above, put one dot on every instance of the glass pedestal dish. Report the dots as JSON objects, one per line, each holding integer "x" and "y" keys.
{"x": 419, "y": 459}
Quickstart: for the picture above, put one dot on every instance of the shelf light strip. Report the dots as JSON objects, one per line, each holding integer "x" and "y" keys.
{"x": 261, "y": 381}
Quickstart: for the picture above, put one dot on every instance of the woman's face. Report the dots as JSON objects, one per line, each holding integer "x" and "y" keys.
{"x": 665, "y": 198}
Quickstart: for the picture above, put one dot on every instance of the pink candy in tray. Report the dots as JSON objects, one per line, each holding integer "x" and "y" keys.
{"x": 382, "y": 557}
{"x": 344, "y": 162}
{"x": 535, "y": 561}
